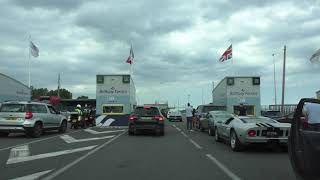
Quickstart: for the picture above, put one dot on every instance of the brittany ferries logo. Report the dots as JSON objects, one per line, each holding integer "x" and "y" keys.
{"x": 112, "y": 90}
{"x": 243, "y": 92}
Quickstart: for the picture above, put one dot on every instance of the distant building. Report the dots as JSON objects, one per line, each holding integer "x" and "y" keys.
{"x": 232, "y": 91}
{"x": 13, "y": 90}
{"x": 318, "y": 94}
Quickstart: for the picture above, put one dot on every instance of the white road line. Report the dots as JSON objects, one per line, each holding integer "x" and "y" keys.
{"x": 184, "y": 134}
{"x": 69, "y": 139}
{"x": 102, "y": 132}
{"x": 173, "y": 125}
{"x": 68, "y": 166}
{"x": 178, "y": 129}
{"x": 33, "y": 176}
{"x": 223, "y": 168}
{"x": 39, "y": 140}
{"x": 195, "y": 144}
{"x": 20, "y": 151}
{"x": 47, "y": 155}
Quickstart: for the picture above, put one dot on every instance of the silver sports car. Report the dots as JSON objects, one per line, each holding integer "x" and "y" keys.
{"x": 243, "y": 130}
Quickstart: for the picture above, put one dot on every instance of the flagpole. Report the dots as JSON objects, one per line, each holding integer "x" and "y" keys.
{"x": 29, "y": 73}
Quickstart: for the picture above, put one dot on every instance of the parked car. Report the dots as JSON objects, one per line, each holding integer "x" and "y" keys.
{"x": 207, "y": 122}
{"x": 30, "y": 117}
{"x": 146, "y": 118}
{"x": 202, "y": 111}
{"x": 304, "y": 143}
{"x": 214, "y": 117}
{"x": 244, "y": 130}
{"x": 174, "y": 115}
{"x": 287, "y": 118}
{"x": 272, "y": 114}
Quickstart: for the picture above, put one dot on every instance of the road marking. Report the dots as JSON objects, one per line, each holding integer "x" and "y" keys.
{"x": 20, "y": 151}
{"x": 68, "y": 166}
{"x": 47, "y": 155}
{"x": 102, "y": 132}
{"x": 99, "y": 119}
{"x": 195, "y": 144}
{"x": 69, "y": 139}
{"x": 174, "y": 125}
{"x": 223, "y": 168}
{"x": 39, "y": 140}
{"x": 33, "y": 176}
{"x": 184, "y": 134}
{"x": 178, "y": 129}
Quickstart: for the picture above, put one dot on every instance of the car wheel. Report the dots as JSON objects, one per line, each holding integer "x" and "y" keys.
{"x": 36, "y": 131}
{"x": 210, "y": 131}
{"x": 63, "y": 127}
{"x": 234, "y": 141}
{"x": 216, "y": 135}
{"x": 162, "y": 132}
{"x": 131, "y": 132}
{"x": 4, "y": 134}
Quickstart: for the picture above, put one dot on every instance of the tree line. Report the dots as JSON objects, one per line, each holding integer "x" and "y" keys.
{"x": 64, "y": 93}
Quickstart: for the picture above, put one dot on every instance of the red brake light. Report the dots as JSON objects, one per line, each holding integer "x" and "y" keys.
{"x": 147, "y": 107}
{"x": 159, "y": 118}
{"x": 252, "y": 133}
{"x": 28, "y": 115}
{"x": 133, "y": 118}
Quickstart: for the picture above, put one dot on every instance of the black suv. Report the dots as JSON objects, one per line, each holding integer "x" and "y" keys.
{"x": 146, "y": 118}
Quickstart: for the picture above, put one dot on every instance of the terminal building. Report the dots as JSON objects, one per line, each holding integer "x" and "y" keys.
{"x": 13, "y": 90}
{"x": 318, "y": 94}
{"x": 233, "y": 91}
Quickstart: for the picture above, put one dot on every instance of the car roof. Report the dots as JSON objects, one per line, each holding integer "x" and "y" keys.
{"x": 24, "y": 102}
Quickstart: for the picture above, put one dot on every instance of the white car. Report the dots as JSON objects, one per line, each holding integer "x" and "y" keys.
{"x": 244, "y": 130}
{"x": 174, "y": 116}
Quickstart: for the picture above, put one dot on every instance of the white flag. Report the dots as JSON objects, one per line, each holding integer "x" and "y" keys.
{"x": 315, "y": 57}
{"x": 34, "y": 50}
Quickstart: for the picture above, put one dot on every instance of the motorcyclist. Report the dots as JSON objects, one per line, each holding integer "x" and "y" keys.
{"x": 80, "y": 112}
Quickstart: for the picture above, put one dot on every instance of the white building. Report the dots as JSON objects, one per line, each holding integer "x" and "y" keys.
{"x": 13, "y": 90}
{"x": 231, "y": 91}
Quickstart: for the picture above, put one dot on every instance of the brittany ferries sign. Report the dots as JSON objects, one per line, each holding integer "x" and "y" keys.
{"x": 244, "y": 93}
{"x": 113, "y": 91}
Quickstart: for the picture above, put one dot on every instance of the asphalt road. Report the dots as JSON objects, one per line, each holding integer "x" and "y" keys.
{"x": 105, "y": 153}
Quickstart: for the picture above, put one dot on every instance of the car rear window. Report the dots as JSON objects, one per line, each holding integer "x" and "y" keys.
{"x": 13, "y": 108}
{"x": 152, "y": 111}
{"x": 213, "y": 108}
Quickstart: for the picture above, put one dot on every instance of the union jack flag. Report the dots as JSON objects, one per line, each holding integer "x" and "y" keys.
{"x": 227, "y": 54}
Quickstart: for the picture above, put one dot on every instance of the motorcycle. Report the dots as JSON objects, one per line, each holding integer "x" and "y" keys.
{"x": 76, "y": 120}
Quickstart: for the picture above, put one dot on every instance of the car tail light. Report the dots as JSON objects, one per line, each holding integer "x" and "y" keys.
{"x": 28, "y": 115}
{"x": 252, "y": 133}
{"x": 133, "y": 118}
{"x": 159, "y": 118}
{"x": 305, "y": 123}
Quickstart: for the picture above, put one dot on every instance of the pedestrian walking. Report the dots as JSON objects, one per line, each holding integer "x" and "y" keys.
{"x": 194, "y": 118}
{"x": 189, "y": 110}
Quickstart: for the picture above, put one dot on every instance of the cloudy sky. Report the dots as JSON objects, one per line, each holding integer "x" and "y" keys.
{"x": 177, "y": 44}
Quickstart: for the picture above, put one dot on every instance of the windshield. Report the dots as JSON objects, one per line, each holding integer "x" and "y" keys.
{"x": 147, "y": 111}
{"x": 134, "y": 84}
{"x": 13, "y": 108}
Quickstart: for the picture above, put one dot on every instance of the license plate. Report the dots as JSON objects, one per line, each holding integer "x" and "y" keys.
{"x": 11, "y": 118}
{"x": 271, "y": 133}
{"x": 74, "y": 121}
